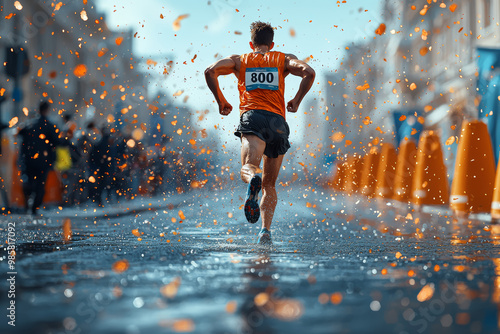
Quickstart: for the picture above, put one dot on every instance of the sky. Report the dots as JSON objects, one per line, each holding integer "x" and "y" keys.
{"x": 218, "y": 28}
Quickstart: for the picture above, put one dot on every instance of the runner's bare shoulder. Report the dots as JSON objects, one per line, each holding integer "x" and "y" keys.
{"x": 288, "y": 57}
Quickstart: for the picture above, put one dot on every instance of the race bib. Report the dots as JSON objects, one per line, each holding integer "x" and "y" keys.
{"x": 261, "y": 77}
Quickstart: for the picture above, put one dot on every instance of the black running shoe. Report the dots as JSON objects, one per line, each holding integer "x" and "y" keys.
{"x": 252, "y": 209}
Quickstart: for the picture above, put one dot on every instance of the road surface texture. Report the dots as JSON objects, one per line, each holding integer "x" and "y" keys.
{"x": 189, "y": 263}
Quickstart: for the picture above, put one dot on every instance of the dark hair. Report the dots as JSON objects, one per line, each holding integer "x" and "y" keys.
{"x": 44, "y": 107}
{"x": 262, "y": 33}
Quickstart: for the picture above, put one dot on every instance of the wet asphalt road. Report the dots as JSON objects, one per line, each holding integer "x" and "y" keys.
{"x": 338, "y": 265}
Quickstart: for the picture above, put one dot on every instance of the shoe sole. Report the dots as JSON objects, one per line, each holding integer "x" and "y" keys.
{"x": 252, "y": 209}
{"x": 265, "y": 240}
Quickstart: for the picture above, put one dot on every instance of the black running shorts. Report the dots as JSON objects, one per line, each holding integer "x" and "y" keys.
{"x": 268, "y": 126}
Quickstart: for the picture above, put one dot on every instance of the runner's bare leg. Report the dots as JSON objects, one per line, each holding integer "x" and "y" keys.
{"x": 269, "y": 197}
{"x": 252, "y": 149}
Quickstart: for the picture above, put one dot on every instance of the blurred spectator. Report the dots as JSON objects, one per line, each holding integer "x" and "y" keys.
{"x": 100, "y": 166}
{"x": 38, "y": 154}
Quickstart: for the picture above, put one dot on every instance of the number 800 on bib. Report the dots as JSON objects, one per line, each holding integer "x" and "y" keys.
{"x": 261, "y": 78}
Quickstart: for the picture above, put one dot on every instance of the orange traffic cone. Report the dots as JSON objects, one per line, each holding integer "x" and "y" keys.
{"x": 16, "y": 190}
{"x": 53, "y": 189}
{"x": 369, "y": 172}
{"x": 386, "y": 171}
{"x": 495, "y": 204}
{"x": 430, "y": 183}
{"x": 472, "y": 187}
{"x": 354, "y": 166}
{"x": 405, "y": 168}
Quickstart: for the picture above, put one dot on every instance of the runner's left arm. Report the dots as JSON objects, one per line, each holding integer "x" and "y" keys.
{"x": 221, "y": 67}
{"x": 303, "y": 70}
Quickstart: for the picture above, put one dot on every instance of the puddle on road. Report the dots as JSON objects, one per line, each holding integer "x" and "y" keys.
{"x": 181, "y": 270}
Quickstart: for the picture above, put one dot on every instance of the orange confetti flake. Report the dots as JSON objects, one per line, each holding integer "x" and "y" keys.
{"x": 120, "y": 266}
{"x": 261, "y": 299}
{"x": 292, "y": 32}
{"x": 102, "y": 52}
{"x": 80, "y": 70}
{"x": 413, "y": 86}
{"x": 8, "y": 17}
{"x": 336, "y": 298}
{"x": 381, "y": 29}
{"x": 136, "y": 232}
{"x": 402, "y": 118}
{"x": 323, "y": 298}
{"x": 119, "y": 40}
{"x": 450, "y": 140}
{"x": 40, "y": 72}
{"x": 364, "y": 87}
{"x": 170, "y": 290}
{"x": 183, "y": 326}
{"x": 348, "y": 143}
{"x": 423, "y": 51}
{"x": 453, "y": 7}
{"x": 181, "y": 215}
{"x": 426, "y": 293}
{"x": 177, "y": 23}
{"x": 231, "y": 306}
{"x": 424, "y": 10}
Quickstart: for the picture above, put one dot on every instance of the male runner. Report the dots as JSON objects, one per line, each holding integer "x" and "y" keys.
{"x": 262, "y": 129}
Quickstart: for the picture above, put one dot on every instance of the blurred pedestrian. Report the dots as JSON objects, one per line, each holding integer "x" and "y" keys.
{"x": 38, "y": 155}
{"x": 100, "y": 166}
{"x": 263, "y": 129}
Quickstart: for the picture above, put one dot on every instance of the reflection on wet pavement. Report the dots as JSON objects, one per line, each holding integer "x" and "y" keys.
{"x": 338, "y": 264}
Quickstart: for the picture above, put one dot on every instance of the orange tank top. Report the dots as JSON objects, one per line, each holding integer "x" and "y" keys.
{"x": 261, "y": 83}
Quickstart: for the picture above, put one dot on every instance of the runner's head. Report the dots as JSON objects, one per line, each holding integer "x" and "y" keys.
{"x": 262, "y": 35}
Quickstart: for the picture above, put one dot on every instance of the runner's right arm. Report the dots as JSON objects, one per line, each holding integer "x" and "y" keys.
{"x": 221, "y": 67}
{"x": 301, "y": 69}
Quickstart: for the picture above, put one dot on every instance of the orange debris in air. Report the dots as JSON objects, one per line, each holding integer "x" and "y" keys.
{"x": 426, "y": 293}
{"x": 102, "y": 52}
{"x": 364, "y": 87}
{"x": 292, "y": 32}
{"x": 67, "y": 232}
{"x": 231, "y": 306}
{"x": 402, "y": 118}
{"x": 177, "y": 23}
{"x": 381, "y": 29}
{"x": 136, "y": 232}
{"x": 450, "y": 140}
{"x": 80, "y": 70}
{"x": 453, "y": 7}
{"x": 170, "y": 290}
{"x": 119, "y": 40}
{"x": 424, "y": 50}
{"x": 336, "y": 298}
{"x": 40, "y": 72}
{"x": 183, "y": 326}
{"x": 181, "y": 215}
{"x": 120, "y": 266}
{"x": 424, "y": 11}
{"x": 413, "y": 86}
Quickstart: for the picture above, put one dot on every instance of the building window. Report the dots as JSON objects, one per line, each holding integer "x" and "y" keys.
{"x": 487, "y": 13}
